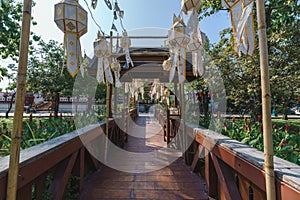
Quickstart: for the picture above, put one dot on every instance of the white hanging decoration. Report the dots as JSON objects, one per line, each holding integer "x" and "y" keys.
{"x": 116, "y": 68}
{"x": 85, "y": 62}
{"x": 71, "y": 18}
{"x": 196, "y": 46}
{"x": 242, "y": 24}
{"x": 125, "y": 44}
{"x": 187, "y": 5}
{"x": 127, "y": 85}
{"x": 103, "y": 52}
{"x": 142, "y": 91}
{"x": 178, "y": 40}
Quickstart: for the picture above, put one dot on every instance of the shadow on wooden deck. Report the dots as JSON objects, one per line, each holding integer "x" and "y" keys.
{"x": 174, "y": 181}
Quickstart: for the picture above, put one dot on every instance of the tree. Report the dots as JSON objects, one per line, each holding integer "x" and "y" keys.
{"x": 242, "y": 79}
{"x": 10, "y": 30}
{"x": 46, "y": 73}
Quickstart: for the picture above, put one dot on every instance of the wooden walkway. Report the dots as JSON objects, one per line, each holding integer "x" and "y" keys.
{"x": 174, "y": 181}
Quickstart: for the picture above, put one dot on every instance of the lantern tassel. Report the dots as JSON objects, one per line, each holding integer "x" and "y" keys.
{"x": 108, "y": 74}
{"x": 100, "y": 73}
{"x": 73, "y": 53}
{"x": 181, "y": 70}
{"x": 128, "y": 58}
{"x": 118, "y": 84}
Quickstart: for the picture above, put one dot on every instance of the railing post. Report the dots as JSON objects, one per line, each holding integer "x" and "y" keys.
{"x": 13, "y": 171}
{"x": 266, "y": 101}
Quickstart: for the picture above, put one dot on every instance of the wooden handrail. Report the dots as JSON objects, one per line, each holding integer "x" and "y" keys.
{"x": 59, "y": 158}
{"x": 224, "y": 157}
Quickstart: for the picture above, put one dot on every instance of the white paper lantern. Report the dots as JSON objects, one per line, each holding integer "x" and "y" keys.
{"x": 178, "y": 41}
{"x": 103, "y": 52}
{"x": 196, "y": 46}
{"x": 187, "y": 5}
{"x": 116, "y": 68}
{"x": 71, "y": 18}
{"x": 125, "y": 44}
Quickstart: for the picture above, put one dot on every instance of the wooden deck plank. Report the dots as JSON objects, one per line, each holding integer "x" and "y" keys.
{"x": 174, "y": 181}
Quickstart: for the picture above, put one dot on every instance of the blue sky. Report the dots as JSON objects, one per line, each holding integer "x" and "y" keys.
{"x": 142, "y": 17}
{"x": 139, "y": 14}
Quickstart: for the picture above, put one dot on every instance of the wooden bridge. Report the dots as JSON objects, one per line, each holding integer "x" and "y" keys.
{"x": 228, "y": 170}
{"x": 211, "y": 166}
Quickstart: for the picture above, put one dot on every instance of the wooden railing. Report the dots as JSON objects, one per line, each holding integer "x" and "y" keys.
{"x": 232, "y": 170}
{"x": 55, "y": 167}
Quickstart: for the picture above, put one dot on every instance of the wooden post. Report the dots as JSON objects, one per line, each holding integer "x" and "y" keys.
{"x": 266, "y": 101}
{"x": 183, "y": 118}
{"x": 13, "y": 171}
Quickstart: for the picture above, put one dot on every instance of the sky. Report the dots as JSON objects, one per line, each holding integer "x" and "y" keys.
{"x": 141, "y": 17}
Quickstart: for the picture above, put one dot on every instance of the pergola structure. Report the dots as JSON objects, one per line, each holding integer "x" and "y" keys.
{"x": 20, "y": 95}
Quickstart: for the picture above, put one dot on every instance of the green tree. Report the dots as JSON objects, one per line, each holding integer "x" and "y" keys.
{"x": 241, "y": 75}
{"x": 10, "y": 31}
{"x": 46, "y": 73}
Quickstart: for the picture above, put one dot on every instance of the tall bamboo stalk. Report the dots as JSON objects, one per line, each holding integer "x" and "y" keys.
{"x": 13, "y": 170}
{"x": 266, "y": 101}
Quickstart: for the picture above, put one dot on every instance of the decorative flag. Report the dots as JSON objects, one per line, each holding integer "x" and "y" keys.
{"x": 187, "y": 5}
{"x": 71, "y": 18}
{"x": 178, "y": 40}
{"x": 242, "y": 25}
{"x": 196, "y": 45}
{"x": 103, "y": 52}
{"x": 125, "y": 44}
{"x": 116, "y": 68}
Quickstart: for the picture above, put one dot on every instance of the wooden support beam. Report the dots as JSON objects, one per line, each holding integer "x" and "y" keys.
{"x": 168, "y": 126}
{"x": 226, "y": 179}
{"x": 25, "y": 193}
{"x": 197, "y": 155}
{"x": 211, "y": 176}
{"x": 82, "y": 167}
{"x": 62, "y": 176}
{"x": 40, "y": 186}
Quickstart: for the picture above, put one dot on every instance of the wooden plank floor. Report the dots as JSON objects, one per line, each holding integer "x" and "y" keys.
{"x": 174, "y": 181}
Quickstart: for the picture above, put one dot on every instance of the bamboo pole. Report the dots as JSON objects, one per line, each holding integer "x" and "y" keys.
{"x": 13, "y": 170}
{"x": 108, "y": 108}
{"x": 266, "y": 101}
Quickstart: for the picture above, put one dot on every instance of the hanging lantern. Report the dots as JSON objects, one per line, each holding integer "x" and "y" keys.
{"x": 103, "y": 52}
{"x": 187, "y": 5}
{"x": 71, "y": 18}
{"x": 116, "y": 68}
{"x": 125, "y": 44}
{"x": 178, "y": 40}
{"x": 242, "y": 25}
{"x": 196, "y": 45}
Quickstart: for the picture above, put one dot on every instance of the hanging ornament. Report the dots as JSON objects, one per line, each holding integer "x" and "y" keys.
{"x": 127, "y": 85}
{"x": 125, "y": 44}
{"x": 94, "y": 4}
{"x": 242, "y": 25}
{"x": 85, "y": 62}
{"x": 187, "y": 5}
{"x": 116, "y": 68}
{"x": 142, "y": 91}
{"x": 108, "y": 4}
{"x": 178, "y": 40}
{"x": 103, "y": 52}
{"x": 71, "y": 18}
{"x": 196, "y": 46}
{"x": 113, "y": 27}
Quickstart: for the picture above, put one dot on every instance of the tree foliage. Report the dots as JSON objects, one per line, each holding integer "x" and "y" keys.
{"x": 46, "y": 73}
{"x": 242, "y": 75}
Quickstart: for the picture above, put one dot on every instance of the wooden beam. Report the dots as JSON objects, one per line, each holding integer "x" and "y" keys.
{"x": 211, "y": 176}
{"x": 61, "y": 178}
{"x": 226, "y": 179}
{"x": 197, "y": 155}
